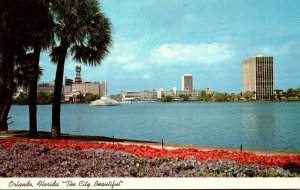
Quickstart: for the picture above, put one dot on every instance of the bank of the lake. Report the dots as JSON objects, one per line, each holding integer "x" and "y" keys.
{"x": 24, "y": 135}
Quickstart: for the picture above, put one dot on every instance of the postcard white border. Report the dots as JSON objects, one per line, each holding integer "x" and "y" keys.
{"x": 151, "y": 183}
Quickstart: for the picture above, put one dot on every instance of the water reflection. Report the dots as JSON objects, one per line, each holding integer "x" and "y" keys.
{"x": 258, "y": 125}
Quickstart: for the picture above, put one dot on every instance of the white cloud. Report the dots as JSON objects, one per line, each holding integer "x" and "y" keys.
{"x": 123, "y": 51}
{"x": 192, "y": 53}
{"x": 125, "y": 55}
{"x": 133, "y": 67}
{"x": 122, "y": 58}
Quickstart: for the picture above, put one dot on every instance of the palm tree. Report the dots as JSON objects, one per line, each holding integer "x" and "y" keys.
{"x": 42, "y": 38}
{"x": 25, "y": 26}
{"x": 83, "y": 31}
{"x": 13, "y": 38}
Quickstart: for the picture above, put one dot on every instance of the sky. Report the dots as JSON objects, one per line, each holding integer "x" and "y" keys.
{"x": 155, "y": 42}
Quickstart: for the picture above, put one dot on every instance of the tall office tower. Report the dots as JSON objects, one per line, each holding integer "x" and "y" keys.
{"x": 78, "y": 79}
{"x": 258, "y": 77}
{"x": 187, "y": 82}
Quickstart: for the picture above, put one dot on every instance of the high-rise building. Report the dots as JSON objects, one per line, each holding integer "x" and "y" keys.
{"x": 78, "y": 79}
{"x": 258, "y": 77}
{"x": 187, "y": 82}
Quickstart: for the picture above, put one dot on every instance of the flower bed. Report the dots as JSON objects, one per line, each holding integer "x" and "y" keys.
{"x": 37, "y": 160}
{"x": 149, "y": 152}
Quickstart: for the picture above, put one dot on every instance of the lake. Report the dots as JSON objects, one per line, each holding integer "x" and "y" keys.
{"x": 256, "y": 125}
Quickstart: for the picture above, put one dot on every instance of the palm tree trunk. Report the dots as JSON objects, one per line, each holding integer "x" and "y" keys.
{"x": 6, "y": 108}
{"x": 3, "y": 119}
{"x": 6, "y": 83}
{"x": 7, "y": 96}
{"x": 55, "y": 130}
{"x": 2, "y": 90}
{"x": 33, "y": 93}
{"x": 1, "y": 69}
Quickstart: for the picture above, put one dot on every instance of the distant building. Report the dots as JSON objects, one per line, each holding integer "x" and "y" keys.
{"x": 45, "y": 87}
{"x": 78, "y": 79}
{"x": 207, "y": 91}
{"x": 72, "y": 88}
{"x": 73, "y": 96}
{"x": 145, "y": 95}
{"x": 187, "y": 82}
{"x": 154, "y": 95}
{"x": 48, "y": 88}
{"x": 279, "y": 94}
{"x": 258, "y": 77}
{"x": 88, "y": 87}
{"x": 68, "y": 82}
{"x": 67, "y": 89}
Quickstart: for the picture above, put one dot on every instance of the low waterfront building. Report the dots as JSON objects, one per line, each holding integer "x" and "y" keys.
{"x": 145, "y": 95}
{"x": 46, "y": 88}
{"x": 74, "y": 96}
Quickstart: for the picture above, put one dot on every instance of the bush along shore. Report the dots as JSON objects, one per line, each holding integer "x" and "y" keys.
{"x": 69, "y": 158}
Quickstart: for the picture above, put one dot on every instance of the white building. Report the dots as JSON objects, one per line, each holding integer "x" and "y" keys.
{"x": 145, "y": 95}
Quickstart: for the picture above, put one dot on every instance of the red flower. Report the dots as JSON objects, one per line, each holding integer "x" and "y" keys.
{"x": 149, "y": 152}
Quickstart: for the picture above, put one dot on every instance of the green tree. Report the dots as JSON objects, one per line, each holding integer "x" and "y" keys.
{"x": 90, "y": 97}
{"x": 22, "y": 99}
{"x": 184, "y": 97}
{"x": 167, "y": 99}
{"x": 248, "y": 95}
{"x": 291, "y": 93}
{"x": 220, "y": 97}
{"x": 298, "y": 93}
{"x": 15, "y": 26}
{"x": 41, "y": 39}
{"x": 44, "y": 98}
{"x": 83, "y": 31}
{"x": 205, "y": 97}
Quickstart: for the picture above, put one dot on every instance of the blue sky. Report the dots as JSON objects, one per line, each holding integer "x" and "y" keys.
{"x": 156, "y": 42}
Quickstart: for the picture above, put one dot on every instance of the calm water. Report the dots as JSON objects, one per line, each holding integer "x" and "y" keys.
{"x": 255, "y": 125}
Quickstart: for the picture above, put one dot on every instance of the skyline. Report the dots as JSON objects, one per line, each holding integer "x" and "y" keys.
{"x": 155, "y": 43}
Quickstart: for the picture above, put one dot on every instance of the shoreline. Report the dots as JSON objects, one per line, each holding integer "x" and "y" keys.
{"x": 257, "y": 101}
{"x": 98, "y": 139}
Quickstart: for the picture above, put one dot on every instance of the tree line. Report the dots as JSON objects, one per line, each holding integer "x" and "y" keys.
{"x": 47, "y": 98}
{"x": 63, "y": 28}
{"x": 290, "y": 95}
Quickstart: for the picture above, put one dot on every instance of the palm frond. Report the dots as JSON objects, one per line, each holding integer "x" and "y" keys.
{"x": 55, "y": 54}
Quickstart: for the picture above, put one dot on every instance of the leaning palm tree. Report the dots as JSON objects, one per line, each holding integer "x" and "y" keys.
{"x": 83, "y": 31}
